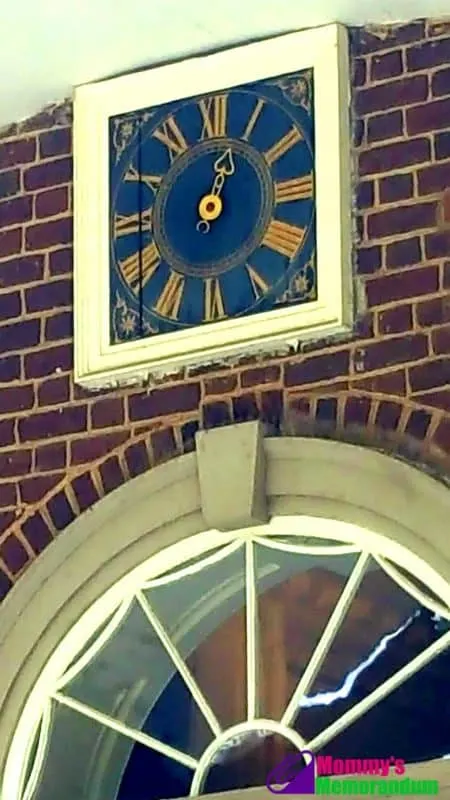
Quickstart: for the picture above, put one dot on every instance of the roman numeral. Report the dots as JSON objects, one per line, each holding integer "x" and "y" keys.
{"x": 214, "y": 115}
{"x": 169, "y": 301}
{"x": 253, "y": 119}
{"x": 214, "y": 308}
{"x": 283, "y": 145}
{"x": 125, "y": 224}
{"x": 149, "y": 259}
{"x": 170, "y": 135}
{"x": 285, "y": 239}
{"x": 259, "y": 286}
{"x": 152, "y": 181}
{"x": 294, "y": 189}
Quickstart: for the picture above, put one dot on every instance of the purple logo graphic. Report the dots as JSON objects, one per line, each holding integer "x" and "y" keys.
{"x": 295, "y": 775}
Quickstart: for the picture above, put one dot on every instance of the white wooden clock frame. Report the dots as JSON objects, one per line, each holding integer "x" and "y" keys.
{"x": 97, "y": 362}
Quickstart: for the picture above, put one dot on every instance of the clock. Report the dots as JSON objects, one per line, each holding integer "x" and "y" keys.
{"x": 212, "y": 207}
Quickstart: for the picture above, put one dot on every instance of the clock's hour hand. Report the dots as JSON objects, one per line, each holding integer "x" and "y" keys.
{"x": 210, "y": 205}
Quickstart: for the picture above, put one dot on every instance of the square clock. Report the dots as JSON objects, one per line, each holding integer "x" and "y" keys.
{"x": 212, "y": 208}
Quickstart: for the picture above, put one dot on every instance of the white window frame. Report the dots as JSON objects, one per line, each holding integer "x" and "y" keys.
{"x": 97, "y": 362}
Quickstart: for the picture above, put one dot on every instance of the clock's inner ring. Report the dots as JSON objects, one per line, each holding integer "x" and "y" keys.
{"x": 247, "y": 200}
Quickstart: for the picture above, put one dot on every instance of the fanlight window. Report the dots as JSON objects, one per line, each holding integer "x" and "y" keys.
{"x": 203, "y": 669}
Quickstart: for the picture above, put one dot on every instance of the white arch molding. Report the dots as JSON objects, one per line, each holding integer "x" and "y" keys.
{"x": 235, "y": 479}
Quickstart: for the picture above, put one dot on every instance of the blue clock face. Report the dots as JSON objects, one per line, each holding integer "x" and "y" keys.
{"x": 212, "y": 208}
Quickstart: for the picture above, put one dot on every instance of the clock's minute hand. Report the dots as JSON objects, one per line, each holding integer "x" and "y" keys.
{"x": 210, "y": 205}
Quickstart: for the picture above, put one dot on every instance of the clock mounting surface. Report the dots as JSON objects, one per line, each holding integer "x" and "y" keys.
{"x": 212, "y": 208}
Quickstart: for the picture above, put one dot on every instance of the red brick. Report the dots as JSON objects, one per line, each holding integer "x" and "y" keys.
{"x": 326, "y": 410}
{"x": 15, "y": 211}
{"x": 388, "y": 415}
{"x": 440, "y": 340}
{"x": 428, "y": 54}
{"x": 53, "y": 115}
{"x": 15, "y": 463}
{"x": 85, "y": 491}
{"x": 57, "y": 142}
{"x": 402, "y": 92}
{"x": 359, "y": 72}
{"x": 401, "y": 220}
{"x": 216, "y": 414}
{"x": 16, "y": 398}
{"x": 48, "y": 361}
{"x": 37, "y": 533}
{"x": 7, "y": 433}
{"x": 54, "y": 391}
{"x": 111, "y": 474}
{"x": 356, "y": 411}
{"x": 19, "y": 335}
{"x": 432, "y": 374}
{"x": 60, "y": 510}
{"x": 389, "y": 383}
{"x": 51, "y": 173}
{"x": 390, "y": 157}
{"x": 245, "y": 408}
{"x": 221, "y": 385}
{"x": 13, "y": 554}
{"x": 442, "y": 145}
{"x": 446, "y": 275}
{"x": 18, "y": 151}
{"x": 418, "y": 424}
{"x": 395, "y": 320}
{"x": 188, "y": 431}
{"x": 403, "y": 253}
{"x": 52, "y": 202}
{"x": 61, "y": 261}
{"x": 368, "y": 259}
{"x": 5, "y": 585}
{"x": 136, "y": 456}
{"x": 260, "y": 375}
{"x": 387, "y": 352}
{"x": 433, "y": 179}
{"x": 48, "y": 234}
{"x": 51, "y": 456}
{"x": 90, "y": 448}
{"x": 440, "y": 82}
{"x": 9, "y": 368}
{"x": 402, "y": 285}
{"x": 437, "y": 244}
{"x": 438, "y": 399}
{"x": 10, "y": 242}
{"x": 387, "y": 65}
{"x": 272, "y": 407}
{"x": 395, "y": 187}
{"x": 35, "y": 488}
{"x": 8, "y": 494}
{"x": 366, "y": 41}
{"x": 46, "y": 424}
{"x": 22, "y": 270}
{"x": 317, "y": 368}
{"x": 428, "y": 117}
{"x": 10, "y": 305}
{"x": 365, "y": 197}
{"x": 161, "y": 402}
{"x": 108, "y": 412}
{"x": 163, "y": 445}
{"x": 442, "y": 435}
{"x": 435, "y": 311}
{"x": 48, "y": 295}
{"x": 384, "y": 126}
{"x": 59, "y": 326}
{"x": 9, "y": 183}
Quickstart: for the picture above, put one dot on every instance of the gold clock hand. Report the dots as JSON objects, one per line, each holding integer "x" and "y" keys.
{"x": 210, "y": 205}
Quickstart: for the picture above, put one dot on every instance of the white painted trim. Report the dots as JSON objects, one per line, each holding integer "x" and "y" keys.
{"x": 97, "y": 363}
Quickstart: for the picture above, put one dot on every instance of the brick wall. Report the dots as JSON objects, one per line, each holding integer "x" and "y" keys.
{"x": 62, "y": 448}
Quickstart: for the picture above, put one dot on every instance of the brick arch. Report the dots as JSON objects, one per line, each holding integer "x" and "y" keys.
{"x": 413, "y": 431}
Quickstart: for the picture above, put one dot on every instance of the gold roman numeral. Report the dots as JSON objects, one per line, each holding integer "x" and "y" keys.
{"x": 125, "y": 224}
{"x": 259, "y": 286}
{"x": 152, "y": 181}
{"x": 214, "y": 308}
{"x": 149, "y": 258}
{"x": 284, "y": 238}
{"x": 214, "y": 115}
{"x": 170, "y": 135}
{"x": 283, "y": 145}
{"x": 294, "y": 189}
{"x": 253, "y": 119}
{"x": 169, "y": 301}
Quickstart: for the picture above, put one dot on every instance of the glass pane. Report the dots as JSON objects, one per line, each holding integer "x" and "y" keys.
{"x": 204, "y": 614}
{"x": 151, "y": 776}
{"x": 416, "y": 582}
{"x": 297, "y": 594}
{"x": 364, "y": 652}
{"x": 412, "y": 723}
{"x": 196, "y": 561}
{"x": 134, "y": 680}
